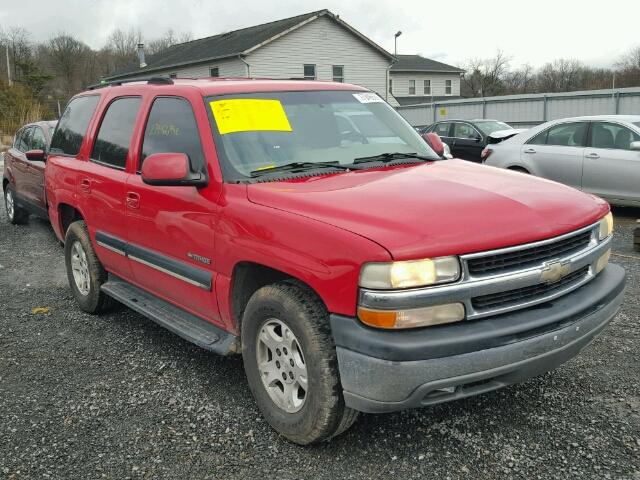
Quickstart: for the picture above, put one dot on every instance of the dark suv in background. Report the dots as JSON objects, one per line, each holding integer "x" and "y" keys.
{"x": 467, "y": 138}
{"x": 23, "y": 177}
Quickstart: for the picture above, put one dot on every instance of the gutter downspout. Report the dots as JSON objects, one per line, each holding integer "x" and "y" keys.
{"x": 246, "y": 64}
{"x": 388, "y": 75}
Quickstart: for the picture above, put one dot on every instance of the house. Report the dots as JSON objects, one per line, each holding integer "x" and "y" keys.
{"x": 415, "y": 79}
{"x": 315, "y": 46}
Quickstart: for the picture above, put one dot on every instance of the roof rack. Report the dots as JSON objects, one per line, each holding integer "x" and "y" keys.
{"x": 117, "y": 83}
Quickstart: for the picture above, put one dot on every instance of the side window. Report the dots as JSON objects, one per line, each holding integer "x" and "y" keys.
{"x": 568, "y": 135}
{"x": 23, "y": 141}
{"x": 38, "y": 140}
{"x": 172, "y": 128}
{"x": 463, "y": 130}
{"x": 112, "y": 142}
{"x": 17, "y": 138}
{"x": 612, "y": 135}
{"x": 442, "y": 129}
{"x": 72, "y": 127}
{"x": 539, "y": 139}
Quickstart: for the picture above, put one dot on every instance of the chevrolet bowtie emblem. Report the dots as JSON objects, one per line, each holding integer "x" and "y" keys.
{"x": 555, "y": 271}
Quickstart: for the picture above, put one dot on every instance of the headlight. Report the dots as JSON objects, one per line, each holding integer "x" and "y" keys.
{"x": 411, "y": 273}
{"x": 606, "y": 227}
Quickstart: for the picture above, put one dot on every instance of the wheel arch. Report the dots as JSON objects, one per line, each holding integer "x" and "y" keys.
{"x": 248, "y": 277}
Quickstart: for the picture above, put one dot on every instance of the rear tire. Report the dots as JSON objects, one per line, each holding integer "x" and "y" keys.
{"x": 15, "y": 214}
{"x": 84, "y": 271}
{"x": 285, "y": 315}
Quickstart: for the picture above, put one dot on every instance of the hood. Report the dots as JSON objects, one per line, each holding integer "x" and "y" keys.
{"x": 502, "y": 135}
{"x": 442, "y": 208}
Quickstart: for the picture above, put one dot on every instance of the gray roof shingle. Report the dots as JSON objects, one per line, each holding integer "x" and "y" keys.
{"x": 416, "y": 63}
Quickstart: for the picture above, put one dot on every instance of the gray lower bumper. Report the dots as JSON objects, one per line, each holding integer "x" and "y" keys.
{"x": 374, "y": 384}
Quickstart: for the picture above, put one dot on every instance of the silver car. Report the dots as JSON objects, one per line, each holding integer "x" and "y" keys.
{"x": 599, "y": 154}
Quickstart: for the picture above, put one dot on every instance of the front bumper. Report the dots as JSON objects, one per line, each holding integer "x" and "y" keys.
{"x": 383, "y": 371}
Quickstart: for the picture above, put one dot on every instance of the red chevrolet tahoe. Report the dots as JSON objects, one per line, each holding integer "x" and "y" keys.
{"x": 308, "y": 227}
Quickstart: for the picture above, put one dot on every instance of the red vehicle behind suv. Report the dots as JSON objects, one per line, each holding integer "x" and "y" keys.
{"x": 23, "y": 176}
{"x": 307, "y": 226}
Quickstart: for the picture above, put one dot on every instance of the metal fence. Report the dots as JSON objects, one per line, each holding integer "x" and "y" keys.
{"x": 527, "y": 110}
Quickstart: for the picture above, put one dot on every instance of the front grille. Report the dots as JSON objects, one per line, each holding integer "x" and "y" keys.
{"x": 525, "y": 294}
{"x": 527, "y": 257}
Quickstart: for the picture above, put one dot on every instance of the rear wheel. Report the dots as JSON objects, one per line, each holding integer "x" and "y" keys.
{"x": 84, "y": 271}
{"x": 15, "y": 213}
{"x": 291, "y": 365}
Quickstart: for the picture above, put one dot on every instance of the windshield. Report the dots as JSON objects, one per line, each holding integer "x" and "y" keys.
{"x": 260, "y": 131}
{"x": 490, "y": 127}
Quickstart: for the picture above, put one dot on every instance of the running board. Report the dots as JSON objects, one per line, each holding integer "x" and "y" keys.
{"x": 188, "y": 326}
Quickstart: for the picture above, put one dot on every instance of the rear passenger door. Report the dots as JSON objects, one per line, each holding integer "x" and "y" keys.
{"x": 102, "y": 182}
{"x": 611, "y": 168}
{"x": 557, "y": 153}
{"x": 170, "y": 228}
{"x": 19, "y": 165}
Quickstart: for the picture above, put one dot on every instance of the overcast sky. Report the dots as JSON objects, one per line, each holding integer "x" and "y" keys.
{"x": 532, "y": 32}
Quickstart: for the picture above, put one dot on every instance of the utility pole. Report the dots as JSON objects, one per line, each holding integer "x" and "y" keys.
{"x": 8, "y": 67}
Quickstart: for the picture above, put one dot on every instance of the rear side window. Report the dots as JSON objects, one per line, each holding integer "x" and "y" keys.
{"x": 72, "y": 127}
{"x": 563, "y": 135}
{"x": 112, "y": 143}
{"x": 172, "y": 128}
{"x": 442, "y": 129}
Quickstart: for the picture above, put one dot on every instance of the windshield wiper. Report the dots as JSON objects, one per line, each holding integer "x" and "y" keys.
{"x": 287, "y": 167}
{"x": 390, "y": 157}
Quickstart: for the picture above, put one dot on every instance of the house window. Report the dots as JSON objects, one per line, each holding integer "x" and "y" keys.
{"x": 338, "y": 73}
{"x": 214, "y": 72}
{"x": 391, "y": 85}
{"x": 309, "y": 72}
{"x": 427, "y": 87}
{"x": 412, "y": 87}
{"x": 447, "y": 87}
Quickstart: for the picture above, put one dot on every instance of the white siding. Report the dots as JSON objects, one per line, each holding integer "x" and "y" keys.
{"x": 230, "y": 67}
{"x": 438, "y": 82}
{"x": 323, "y": 43}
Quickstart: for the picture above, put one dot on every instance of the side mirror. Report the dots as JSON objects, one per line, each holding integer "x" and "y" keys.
{"x": 478, "y": 139}
{"x": 434, "y": 141}
{"x": 635, "y": 146}
{"x": 35, "y": 155}
{"x": 170, "y": 169}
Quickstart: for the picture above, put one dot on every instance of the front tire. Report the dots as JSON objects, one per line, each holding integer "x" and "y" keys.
{"x": 291, "y": 364}
{"x": 84, "y": 271}
{"x": 15, "y": 214}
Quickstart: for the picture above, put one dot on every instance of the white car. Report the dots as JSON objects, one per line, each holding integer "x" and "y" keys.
{"x": 598, "y": 154}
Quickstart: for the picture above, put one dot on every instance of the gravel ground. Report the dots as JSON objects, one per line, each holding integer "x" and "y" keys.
{"x": 118, "y": 397}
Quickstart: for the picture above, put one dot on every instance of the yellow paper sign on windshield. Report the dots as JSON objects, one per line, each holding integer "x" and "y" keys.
{"x": 249, "y": 115}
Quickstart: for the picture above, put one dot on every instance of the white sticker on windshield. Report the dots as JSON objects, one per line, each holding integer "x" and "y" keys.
{"x": 367, "y": 97}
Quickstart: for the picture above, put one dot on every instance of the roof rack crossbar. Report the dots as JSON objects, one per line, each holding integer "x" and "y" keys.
{"x": 117, "y": 83}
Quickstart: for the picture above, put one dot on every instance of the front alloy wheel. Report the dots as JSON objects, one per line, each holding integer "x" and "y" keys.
{"x": 282, "y": 367}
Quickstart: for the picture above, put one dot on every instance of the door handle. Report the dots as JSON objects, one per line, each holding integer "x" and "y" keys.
{"x": 592, "y": 155}
{"x": 133, "y": 200}
{"x": 85, "y": 185}
{"x": 530, "y": 150}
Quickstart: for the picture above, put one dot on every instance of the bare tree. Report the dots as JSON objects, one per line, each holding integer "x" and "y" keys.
{"x": 485, "y": 76}
{"x": 67, "y": 58}
{"x": 168, "y": 39}
{"x": 122, "y": 45}
{"x": 563, "y": 75}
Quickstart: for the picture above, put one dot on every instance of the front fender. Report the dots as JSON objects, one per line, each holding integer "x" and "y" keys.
{"x": 326, "y": 258}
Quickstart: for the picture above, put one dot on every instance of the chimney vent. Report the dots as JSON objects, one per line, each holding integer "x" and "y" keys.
{"x": 141, "y": 55}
